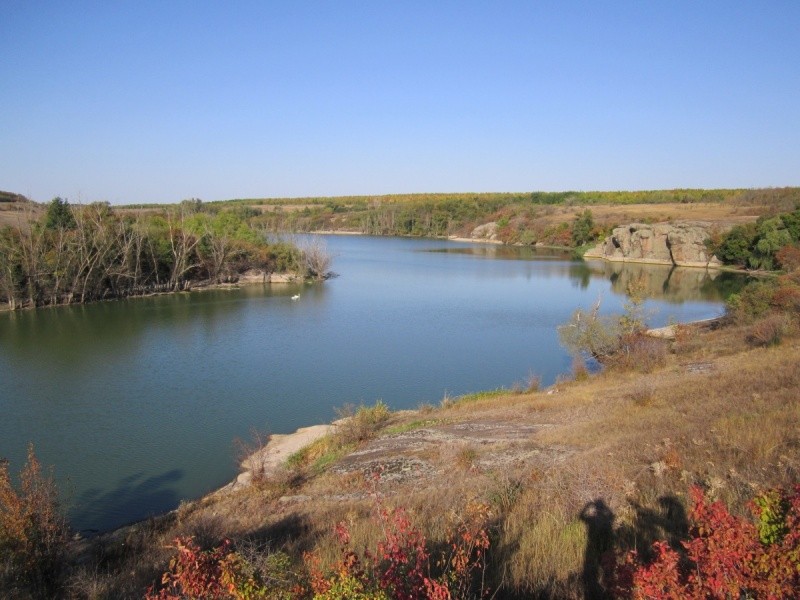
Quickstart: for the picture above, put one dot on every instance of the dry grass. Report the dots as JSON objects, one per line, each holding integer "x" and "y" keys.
{"x": 614, "y": 214}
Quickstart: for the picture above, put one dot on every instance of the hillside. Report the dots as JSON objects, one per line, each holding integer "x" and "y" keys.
{"x": 16, "y": 210}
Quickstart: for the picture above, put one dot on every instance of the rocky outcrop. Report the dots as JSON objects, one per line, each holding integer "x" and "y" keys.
{"x": 488, "y": 231}
{"x": 681, "y": 244}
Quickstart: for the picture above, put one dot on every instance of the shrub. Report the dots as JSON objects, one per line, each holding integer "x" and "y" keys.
{"x": 400, "y": 566}
{"x": 398, "y": 569}
{"x": 222, "y": 574}
{"x": 752, "y": 302}
{"x": 640, "y": 352}
{"x": 788, "y": 257}
{"x": 33, "y": 531}
{"x": 591, "y": 333}
{"x": 769, "y": 330}
{"x": 725, "y": 557}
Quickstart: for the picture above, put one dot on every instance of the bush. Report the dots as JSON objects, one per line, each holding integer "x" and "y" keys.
{"x": 400, "y": 566}
{"x": 769, "y": 331}
{"x": 33, "y": 531}
{"x": 640, "y": 352}
{"x": 591, "y": 333}
{"x": 725, "y": 557}
{"x": 752, "y": 302}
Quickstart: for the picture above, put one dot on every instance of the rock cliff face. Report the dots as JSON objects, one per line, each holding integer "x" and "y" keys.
{"x": 680, "y": 243}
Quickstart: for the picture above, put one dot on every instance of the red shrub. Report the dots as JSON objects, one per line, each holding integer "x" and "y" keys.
{"x": 724, "y": 558}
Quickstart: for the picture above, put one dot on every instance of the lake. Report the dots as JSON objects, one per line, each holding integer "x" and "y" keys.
{"x": 137, "y": 403}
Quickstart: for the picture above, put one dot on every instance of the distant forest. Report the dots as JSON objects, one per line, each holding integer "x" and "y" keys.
{"x": 437, "y": 215}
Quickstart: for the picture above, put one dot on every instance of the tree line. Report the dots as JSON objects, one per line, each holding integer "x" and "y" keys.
{"x": 78, "y": 254}
{"x": 440, "y": 215}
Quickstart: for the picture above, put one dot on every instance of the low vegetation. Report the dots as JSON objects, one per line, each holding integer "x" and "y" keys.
{"x": 33, "y": 532}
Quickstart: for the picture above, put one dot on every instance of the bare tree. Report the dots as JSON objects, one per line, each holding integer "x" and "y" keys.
{"x": 182, "y": 244}
{"x": 316, "y": 259}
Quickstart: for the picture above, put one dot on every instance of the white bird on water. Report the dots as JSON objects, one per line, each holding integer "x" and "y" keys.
{"x": 296, "y": 297}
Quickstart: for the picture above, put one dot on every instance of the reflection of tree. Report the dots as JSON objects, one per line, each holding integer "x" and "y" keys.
{"x": 580, "y": 274}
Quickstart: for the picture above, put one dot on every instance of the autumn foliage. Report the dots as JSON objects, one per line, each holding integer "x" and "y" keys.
{"x": 33, "y": 531}
{"x": 726, "y": 556}
{"x": 401, "y": 567}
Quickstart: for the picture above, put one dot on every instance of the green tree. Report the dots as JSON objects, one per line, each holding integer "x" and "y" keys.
{"x": 59, "y": 215}
{"x": 583, "y": 228}
{"x": 736, "y": 247}
{"x": 772, "y": 236}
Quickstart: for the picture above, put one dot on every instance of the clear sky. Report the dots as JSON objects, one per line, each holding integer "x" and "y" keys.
{"x": 139, "y": 101}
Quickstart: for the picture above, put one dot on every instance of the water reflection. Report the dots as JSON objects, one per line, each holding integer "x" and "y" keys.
{"x": 671, "y": 284}
{"x": 664, "y": 282}
{"x": 502, "y": 252}
{"x": 78, "y": 333}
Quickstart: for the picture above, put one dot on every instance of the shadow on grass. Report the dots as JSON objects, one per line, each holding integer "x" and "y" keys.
{"x": 666, "y": 522}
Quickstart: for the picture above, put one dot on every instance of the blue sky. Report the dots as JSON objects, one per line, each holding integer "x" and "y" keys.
{"x": 161, "y": 101}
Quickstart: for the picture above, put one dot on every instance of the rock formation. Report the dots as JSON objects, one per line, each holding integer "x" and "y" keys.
{"x": 681, "y": 243}
{"x": 487, "y": 231}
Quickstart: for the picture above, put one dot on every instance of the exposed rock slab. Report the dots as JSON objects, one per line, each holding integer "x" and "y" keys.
{"x": 280, "y": 447}
{"x": 680, "y": 244}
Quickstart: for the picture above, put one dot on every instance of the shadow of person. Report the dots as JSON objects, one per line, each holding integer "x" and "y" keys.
{"x": 675, "y": 522}
{"x": 599, "y": 520}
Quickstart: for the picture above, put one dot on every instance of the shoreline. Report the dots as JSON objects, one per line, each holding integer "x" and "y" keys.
{"x": 273, "y": 278}
{"x": 268, "y": 459}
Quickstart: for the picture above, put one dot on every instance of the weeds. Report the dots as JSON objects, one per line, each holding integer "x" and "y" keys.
{"x": 533, "y": 384}
{"x": 579, "y": 369}
{"x": 410, "y": 426}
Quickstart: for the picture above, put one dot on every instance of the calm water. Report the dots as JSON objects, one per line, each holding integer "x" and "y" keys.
{"x": 137, "y": 403}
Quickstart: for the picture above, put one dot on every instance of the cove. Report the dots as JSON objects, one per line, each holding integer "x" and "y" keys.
{"x": 137, "y": 402}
